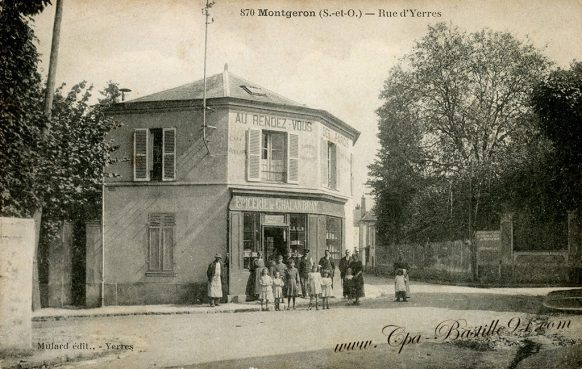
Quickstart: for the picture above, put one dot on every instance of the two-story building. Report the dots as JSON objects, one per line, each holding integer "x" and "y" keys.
{"x": 267, "y": 175}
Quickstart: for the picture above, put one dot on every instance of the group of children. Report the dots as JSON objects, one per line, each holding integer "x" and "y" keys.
{"x": 319, "y": 286}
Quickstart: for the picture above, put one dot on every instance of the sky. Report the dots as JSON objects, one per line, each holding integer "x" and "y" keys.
{"x": 334, "y": 63}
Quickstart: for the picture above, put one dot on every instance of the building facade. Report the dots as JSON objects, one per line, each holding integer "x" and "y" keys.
{"x": 365, "y": 220}
{"x": 267, "y": 175}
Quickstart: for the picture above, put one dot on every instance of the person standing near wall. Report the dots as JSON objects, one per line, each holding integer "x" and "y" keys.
{"x": 259, "y": 265}
{"x": 215, "y": 274}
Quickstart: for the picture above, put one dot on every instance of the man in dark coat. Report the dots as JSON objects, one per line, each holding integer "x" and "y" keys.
{"x": 328, "y": 265}
{"x": 305, "y": 265}
{"x": 344, "y": 264}
{"x": 215, "y": 273}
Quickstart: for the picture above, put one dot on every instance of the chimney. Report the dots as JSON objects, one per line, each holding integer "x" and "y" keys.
{"x": 363, "y": 207}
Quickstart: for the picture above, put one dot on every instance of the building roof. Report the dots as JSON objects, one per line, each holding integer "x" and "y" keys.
{"x": 370, "y": 216}
{"x": 223, "y": 84}
{"x": 226, "y": 85}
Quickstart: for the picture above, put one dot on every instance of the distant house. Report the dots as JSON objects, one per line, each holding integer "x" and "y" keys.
{"x": 275, "y": 179}
{"x": 367, "y": 231}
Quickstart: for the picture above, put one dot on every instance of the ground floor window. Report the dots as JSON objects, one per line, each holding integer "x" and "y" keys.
{"x": 161, "y": 231}
{"x": 251, "y": 238}
{"x": 298, "y": 234}
{"x": 333, "y": 236}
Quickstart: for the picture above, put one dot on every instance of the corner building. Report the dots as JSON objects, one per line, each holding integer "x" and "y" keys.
{"x": 276, "y": 178}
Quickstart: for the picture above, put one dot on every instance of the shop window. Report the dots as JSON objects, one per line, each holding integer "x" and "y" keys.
{"x": 161, "y": 232}
{"x": 154, "y": 154}
{"x": 333, "y": 236}
{"x": 272, "y": 156}
{"x": 298, "y": 234}
{"x": 251, "y": 238}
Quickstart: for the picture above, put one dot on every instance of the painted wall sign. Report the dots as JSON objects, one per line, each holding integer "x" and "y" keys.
{"x": 274, "y": 204}
{"x": 272, "y": 121}
{"x": 333, "y": 136}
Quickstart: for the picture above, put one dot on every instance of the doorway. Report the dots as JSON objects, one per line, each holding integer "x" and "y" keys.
{"x": 276, "y": 242}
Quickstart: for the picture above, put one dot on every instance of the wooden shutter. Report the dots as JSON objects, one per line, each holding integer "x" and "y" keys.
{"x": 323, "y": 162}
{"x": 140, "y": 154}
{"x": 169, "y": 154}
{"x": 254, "y": 155}
{"x": 293, "y": 158}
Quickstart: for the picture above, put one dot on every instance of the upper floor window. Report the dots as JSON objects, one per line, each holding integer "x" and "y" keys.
{"x": 154, "y": 154}
{"x": 272, "y": 156}
{"x": 329, "y": 164}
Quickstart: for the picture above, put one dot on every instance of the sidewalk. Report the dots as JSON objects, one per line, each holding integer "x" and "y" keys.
{"x": 378, "y": 288}
{"x": 569, "y": 300}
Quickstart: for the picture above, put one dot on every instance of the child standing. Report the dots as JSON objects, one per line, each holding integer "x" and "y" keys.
{"x": 326, "y": 289}
{"x": 266, "y": 283}
{"x": 314, "y": 281}
{"x": 400, "y": 286}
{"x": 278, "y": 290}
{"x": 348, "y": 281}
{"x": 292, "y": 283}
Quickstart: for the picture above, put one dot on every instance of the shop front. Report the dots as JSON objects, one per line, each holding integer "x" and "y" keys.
{"x": 274, "y": 225}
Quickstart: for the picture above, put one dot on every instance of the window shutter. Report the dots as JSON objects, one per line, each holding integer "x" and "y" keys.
{"x": 293, "y": 158}
{"x": 140, "y": 154}
{"x": 323, "y": 162}
{"x": 253, "y": 155}
{"x": 169, "y": 154}
{"x": 337, "y": 165}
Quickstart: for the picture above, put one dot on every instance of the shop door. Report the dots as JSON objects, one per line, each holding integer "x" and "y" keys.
{"x": 276, "y": 242}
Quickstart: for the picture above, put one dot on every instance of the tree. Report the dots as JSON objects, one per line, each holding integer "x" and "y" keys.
{"x": 76, "y": 154}
{"x": 558, "y": 103}
{"x": 21, "y": 115}
{"x": 464, "y": 97}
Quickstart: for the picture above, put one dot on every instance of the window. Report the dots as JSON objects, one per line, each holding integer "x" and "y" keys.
{"x": 154, "y": 154}
{"x": 272, "y": 156}
{"x": 329, "y": 168}
{"x": 298, "y": 233}
{"x": 251, "y": 238}
{"x": 161, "y": 231}
{"x": 273, "y": 165}
{"x": 333, "y": 236}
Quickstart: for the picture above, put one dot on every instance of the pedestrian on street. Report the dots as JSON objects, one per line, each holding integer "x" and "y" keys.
{"x": 215, "y": 274}
{"x": 400, "y": 286}
{"x": 266, "y": 289}
{"x": 344, "y": 265}
{"x": 358, "y": 280}
{"x": 304, "y": 269}
{"x": 314, "y": 286}
{"x": 326, "y": 290}
{"x": 292, "y": 283}
{"x": 281, "y": 267}
{"x": 278, "y": 290}
{"x": 349, "y": 285}
{"x": 401, "y": 263}
{"x": 326, "y": 263}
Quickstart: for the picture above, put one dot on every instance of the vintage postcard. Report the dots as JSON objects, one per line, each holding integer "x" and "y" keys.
{"x": 293, "y": 184}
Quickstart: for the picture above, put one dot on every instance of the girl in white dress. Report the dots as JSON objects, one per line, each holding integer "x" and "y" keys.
{"x": 326, "y": 289}
{"x": 314, "y": 282}
{"x": 278, "y": 290}
{"x": 266, "y": 283}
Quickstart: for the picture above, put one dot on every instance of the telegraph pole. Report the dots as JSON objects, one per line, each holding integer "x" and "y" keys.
{"x": 207, "y": 21}
{"x": 48, "y": 105}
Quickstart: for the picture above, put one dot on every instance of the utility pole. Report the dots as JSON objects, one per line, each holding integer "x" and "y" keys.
{"x": 48, "y": 105}
{"x": 207, "y": 21}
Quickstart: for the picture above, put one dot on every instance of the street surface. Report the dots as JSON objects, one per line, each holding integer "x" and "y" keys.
{"x": 306, "y": 339}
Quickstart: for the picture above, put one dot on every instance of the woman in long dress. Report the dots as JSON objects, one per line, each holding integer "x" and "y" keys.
{"x": 358, "y": 280}
{"x": 259, "y": 266}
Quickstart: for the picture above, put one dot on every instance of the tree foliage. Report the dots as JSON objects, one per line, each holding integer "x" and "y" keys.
{"x": 558, "y": 104}
{"x": 455, "y": 117}
{"x": 21, "y": 114}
